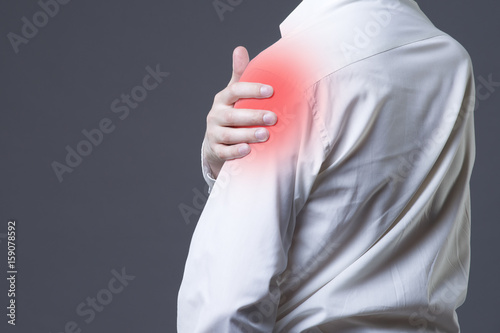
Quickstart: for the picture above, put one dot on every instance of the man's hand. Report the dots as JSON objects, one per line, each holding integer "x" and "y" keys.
{"x": 223, "y": 140}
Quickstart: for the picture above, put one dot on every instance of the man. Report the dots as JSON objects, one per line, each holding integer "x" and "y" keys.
{"x": 353, "y": 213}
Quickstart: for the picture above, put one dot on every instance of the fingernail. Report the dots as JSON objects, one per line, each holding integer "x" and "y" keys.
{"x": 243, "y": 150}
{"x": 261, "y": 134}
{"x": 266, "y": 91}
{"x": 269, "y": 119}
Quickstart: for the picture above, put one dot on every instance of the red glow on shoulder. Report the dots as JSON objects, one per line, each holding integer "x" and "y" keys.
{"x": 287, "y": 75}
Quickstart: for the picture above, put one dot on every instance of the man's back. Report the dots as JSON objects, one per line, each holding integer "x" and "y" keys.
{"x": 369, "y": 199}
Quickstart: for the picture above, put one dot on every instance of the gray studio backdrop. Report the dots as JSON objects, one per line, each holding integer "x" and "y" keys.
{"x": 103, "y": 107}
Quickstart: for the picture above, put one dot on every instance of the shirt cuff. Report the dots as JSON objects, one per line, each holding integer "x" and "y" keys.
{"x": 207, "y": 172}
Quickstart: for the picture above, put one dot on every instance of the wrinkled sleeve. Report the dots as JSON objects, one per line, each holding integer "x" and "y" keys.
{"x": 206, "y": 171}
{"x": 242, "y": 238}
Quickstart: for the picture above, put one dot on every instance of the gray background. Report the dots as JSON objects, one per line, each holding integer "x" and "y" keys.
{"x": 120, "y": 207}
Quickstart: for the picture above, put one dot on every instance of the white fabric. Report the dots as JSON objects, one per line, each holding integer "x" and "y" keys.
{"x": 362, "y": 223}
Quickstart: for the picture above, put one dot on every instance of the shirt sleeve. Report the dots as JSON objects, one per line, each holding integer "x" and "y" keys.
{"x": 241, "y": 242}
{"x": 206, "y": 171}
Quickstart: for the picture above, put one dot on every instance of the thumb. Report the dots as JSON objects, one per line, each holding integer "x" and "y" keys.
{"x": 240, "y": 62}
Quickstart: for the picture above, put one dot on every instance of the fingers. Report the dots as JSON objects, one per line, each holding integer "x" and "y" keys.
{"x": 232, "y": 136}
{"x": 229, "y": 130}
{"x": 240, "y": 62}
{"x": 235, "y": 89}
{"x": 242, "y": 117}
{"x": 238, "y": 90}
{"x": 231, "y": 152}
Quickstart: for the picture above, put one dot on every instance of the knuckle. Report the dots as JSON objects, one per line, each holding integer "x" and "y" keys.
{"x": 257, "y": 89}
{"x": 225, "y": 136}
{"x": 257, "y": 116}
{"x": 209, "y": 118}
{"x": 217, "y": 96}
{"x": 232, "y": 89}
{"x": 229, "y": 116}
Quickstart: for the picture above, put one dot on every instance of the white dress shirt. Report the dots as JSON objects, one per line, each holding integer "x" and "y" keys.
{"x": 355, "y": 215}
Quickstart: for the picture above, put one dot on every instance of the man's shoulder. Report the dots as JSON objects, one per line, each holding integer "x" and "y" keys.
{"x": 289, "y": 61}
